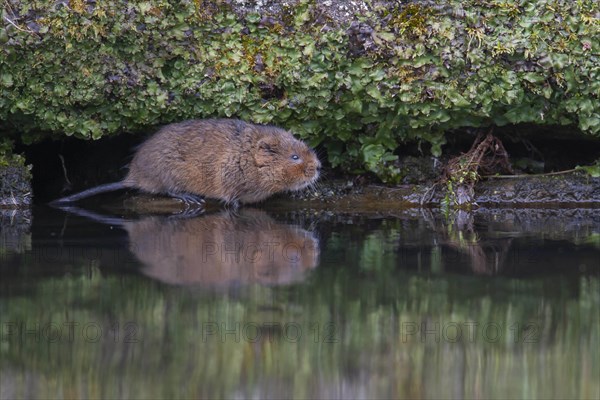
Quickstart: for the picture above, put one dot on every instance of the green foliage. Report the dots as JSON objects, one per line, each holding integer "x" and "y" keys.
{"x": 15, "y": 178}
{"x": 95, "y": 69}
{"x": 592, "y": 170}
{"x": 7, "y": 158}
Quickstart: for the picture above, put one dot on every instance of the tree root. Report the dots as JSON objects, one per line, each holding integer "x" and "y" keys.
{"x": 487, "y": 156}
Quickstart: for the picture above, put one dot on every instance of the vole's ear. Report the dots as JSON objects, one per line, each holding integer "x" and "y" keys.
{"x": 268, "y": 144}
{"x": 267, "y": 147}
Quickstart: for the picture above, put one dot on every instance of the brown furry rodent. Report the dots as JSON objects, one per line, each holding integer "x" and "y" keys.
{"x": 225, "y": 159}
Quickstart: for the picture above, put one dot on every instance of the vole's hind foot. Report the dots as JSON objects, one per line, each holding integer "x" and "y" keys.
{"x": 232, "y": 207}
{"x": 194, "y": 204}
{"x": 189, "y": 212}
{"x": 189, "y": 199}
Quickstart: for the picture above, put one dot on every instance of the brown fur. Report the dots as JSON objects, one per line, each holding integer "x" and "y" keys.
{"x": 224, "y": 159}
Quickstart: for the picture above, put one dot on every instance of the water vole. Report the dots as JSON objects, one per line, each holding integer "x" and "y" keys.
{"x": 224, "y": 159}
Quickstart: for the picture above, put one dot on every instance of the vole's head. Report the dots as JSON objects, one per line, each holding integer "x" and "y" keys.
{"x": 285, "y": 163}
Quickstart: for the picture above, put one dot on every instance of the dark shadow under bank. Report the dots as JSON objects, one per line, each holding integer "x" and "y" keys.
{"x": 60, "y": 168}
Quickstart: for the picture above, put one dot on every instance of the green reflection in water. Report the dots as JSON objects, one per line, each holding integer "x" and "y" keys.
{"x": 379, "y": 317}
{"x": 335, "y": 336}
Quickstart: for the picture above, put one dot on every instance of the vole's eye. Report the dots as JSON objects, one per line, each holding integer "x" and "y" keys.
{"x": 295, "y": 157}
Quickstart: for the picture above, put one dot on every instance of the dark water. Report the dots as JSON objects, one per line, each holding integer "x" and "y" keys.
{"x": 302, "y": 303}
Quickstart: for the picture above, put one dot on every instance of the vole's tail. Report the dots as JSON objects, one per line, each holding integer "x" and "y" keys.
{"x": 93, "y": 215}
{"x": 107, "y": 187}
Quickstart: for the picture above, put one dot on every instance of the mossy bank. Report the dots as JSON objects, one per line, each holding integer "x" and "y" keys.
{"x": 359, "y": 85}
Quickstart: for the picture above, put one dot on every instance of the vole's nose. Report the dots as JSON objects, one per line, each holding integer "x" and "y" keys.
{"x": 313, "y": 169}
{"x": 318, "y": 166}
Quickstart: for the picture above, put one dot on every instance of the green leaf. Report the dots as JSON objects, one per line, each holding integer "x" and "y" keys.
{"x": 354, "y": 105}
{"x": 372, "y": 153}
{"x": 592, "y": 170}
{"x": 533, "y": 77}
{"x": 6, "y": 80}
{"x": 373, "y": 91}
{"x": 457, "y": 99}
{"x": 359, "y": 65}
{"x": 591, "y": 124}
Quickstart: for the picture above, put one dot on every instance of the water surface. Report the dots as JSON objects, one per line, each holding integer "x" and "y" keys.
{"x": 302, "y": 303}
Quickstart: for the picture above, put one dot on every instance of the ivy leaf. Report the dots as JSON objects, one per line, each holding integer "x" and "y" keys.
{"x": 373, "y": 91}
{"x": 355, "y": 106}
{"x": 533, "y": 77}
{"x": 6, "y": 80}
{"x": 358, "y": 66}
{"x": 457, "y": 99}
{"x": 592, "y": 170}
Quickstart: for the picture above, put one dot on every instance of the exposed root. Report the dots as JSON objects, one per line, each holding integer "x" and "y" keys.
{"x": 487, "y": 156}
{"x": 64, "y": 167}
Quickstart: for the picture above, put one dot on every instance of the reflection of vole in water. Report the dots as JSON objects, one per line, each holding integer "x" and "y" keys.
{"x": 222, "y": 250}
{"x": 224, "y": 159}
{"x": 219, "y": 250}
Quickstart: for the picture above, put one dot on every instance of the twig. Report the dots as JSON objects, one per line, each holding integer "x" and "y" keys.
{"x": 62, "y": 161}
{"x": 18, "y": 27}
{"x": 425, "y": 198}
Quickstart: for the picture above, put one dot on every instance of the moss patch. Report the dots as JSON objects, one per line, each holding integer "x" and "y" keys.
{"x": 401, "y": 72}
